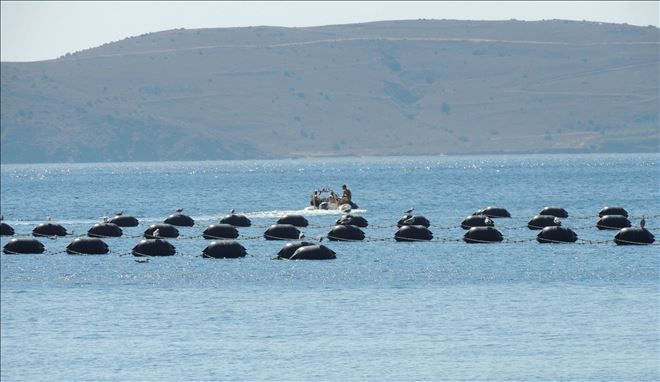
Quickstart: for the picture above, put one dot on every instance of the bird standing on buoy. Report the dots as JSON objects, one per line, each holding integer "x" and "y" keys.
{"x": 120, "y": 213}
{"x": 642, "y": 222}
{"x": 179, "y": 210}
{"x": 156, "y": 233}
{"x": 231, "y": 211}
{"x": 409, "y": 211}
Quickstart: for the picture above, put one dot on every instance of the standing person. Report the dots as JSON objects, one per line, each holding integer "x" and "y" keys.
{"x": 346, "y": 196}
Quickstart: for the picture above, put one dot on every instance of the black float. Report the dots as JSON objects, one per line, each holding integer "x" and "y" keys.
{"x": 48, "y": 230}
{"x": 554, "y": 211}
{"x": 493, "y": 212}
{"x": 556, "y": 235}
{"x": 220, "y": 231}
{"x": 224, "y": 250}
{"x": 613, "y": 211}
{"x": 346, "y": 233}
{"x": 634, "y": 236}
{"x": 482, "y": 235}
{"x": 164, "y": 230}
{"x": 613, "y": 222}
{"x": 6, "y": 229}
{"x": 180, "y": 220}
{"x": 236, "y": 220}
{"x": 124, "y": 221}
{"x": 413, "y": 233}
{"x": 290, "y": 248}
{"x": 282, "y": 232}
{"x": 153, "y": 247}
{"x": 87, "y": 246}
{"x": 542, "y": 221}
{"x": 355, "y": 220}
{"x": 476, "y": 221}
{"x": 294, "y": 220}
{"x": 23, "y": 246}
{"x": 105, "y": 230}
{"x": 313, "y": 252}
{"x": 413, "y": 220}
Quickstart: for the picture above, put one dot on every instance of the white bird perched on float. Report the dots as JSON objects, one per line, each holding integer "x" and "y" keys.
{"x": 231, "y": 211}
{"x": 556, "y": 221}
{"x": 642, "y": 222}
{"x": 301, "y": 235}
{"x": 179, "y": 210}
{"x": 410, "y": 210}
{"x": 120, "y": 213}
{"x": 156, "y": 233}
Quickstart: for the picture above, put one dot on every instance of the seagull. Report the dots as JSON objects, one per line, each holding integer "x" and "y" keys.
{"x": 179, "y": 210}
{"x": 231, "y": 211}
{"x": 409, "y": 211}
{"x": 301, "y": 235}
{"x": 142, "y": 260}
{"x": 557, "y": 221}
{"x": 642, "y": 222}
{"x": 120, "y": 213}
{"x": 320, "y": 239}
{"x": 487, "y": 221}
{"x": 156, "y": 233}
{"x": 105, "y": 219}
{"x": 48, "y": 217}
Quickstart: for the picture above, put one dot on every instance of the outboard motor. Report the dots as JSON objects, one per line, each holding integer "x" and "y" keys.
{"x": 224, "y": 250}
{"x": 180, "y": 220}
{"x": 542, "y": 221}
{"x": 220, "y": 231}
{"x": 23, "y": 246}
{"x": 153, "y": 247}
{"x": 355, "y": 220}
{"x": 482, "y": 235}
{"x": 294, "y": 220}
{"x": 6, "y": 229}
{"x": 477, "y": 221}
{"x": 290, "y": 248}
{"x": 313, "y": 252}
{"x": 554, "y": 211}
{"x": 124, "y": 221}
{"x": 613, "y": 222}
{"x": 87, "y": 246}
{"x": 282, "y": 232}
{"x": 105, "y": 230}
{"x": 613, "y": 211}
{"x": 414, "y": 220}
{"x": 345, "y": 233}
{"x": 164, "y": 230}
{"x": 48, "y": 230}
{"x": 236, "y": 220}
{"x": 556, "y": 235}
{"x": 413, "y": 233}
{"x": 634, "y": 236}
{"x": 493, "y": 212}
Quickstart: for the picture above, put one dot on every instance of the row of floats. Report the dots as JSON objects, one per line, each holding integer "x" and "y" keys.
{"x": 480, "y": 229}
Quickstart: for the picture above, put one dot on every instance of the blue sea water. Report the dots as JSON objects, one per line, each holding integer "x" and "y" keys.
{"x": 440, "y": 310}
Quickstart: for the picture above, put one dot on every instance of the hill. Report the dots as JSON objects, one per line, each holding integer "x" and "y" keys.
{"x": 383, "y": 88}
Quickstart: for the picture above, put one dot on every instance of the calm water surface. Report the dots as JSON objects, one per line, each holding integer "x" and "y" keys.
{"x": 441, "y": 310}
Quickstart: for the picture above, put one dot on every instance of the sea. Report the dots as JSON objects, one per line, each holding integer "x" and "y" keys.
{"x": 381, "y": 311}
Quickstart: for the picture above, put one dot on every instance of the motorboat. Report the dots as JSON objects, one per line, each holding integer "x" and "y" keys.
{"x": 326, "y": 199}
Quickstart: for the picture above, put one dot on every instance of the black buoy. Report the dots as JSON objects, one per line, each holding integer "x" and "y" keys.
{"x": 413, "y": 233}
{"x": 346, "y": 233}
{"x": 124, "y": 221}
{"x": 49, "y": 229}
{"x": 554, "y": 211}
{"x": 23, "y": 246}
{"x": 164, "y": 230}
{"x": 414, "y": 220}
{"x": 634, "y": 236}
{"x": 493, "y": 212}
{"x": 477, "y": 221}
{"x": 313, "y": 252}
{"x": 180, "y": 220}
{"x": 236, "y": 220}
{"x": 542, "y": 221}
{"x": 613, "y": 211}
{"x": 290, "y": 248}
{"x": 556, "y": 235}
{"x": 220, "y": 231}
{"x": 6, "y": 229}
{"x": 87, "y": 246}
{"x": 404, "y": 218}
{"x": 294, "y": 220}
{"x": 355, "y": 220}
{"x": 482, "y": 235}
{"x": 613, "y": 222}
{"x": 153, "y": 247}
{"x": 224, "y": 250}
{"x": 105, "y": 230}
{"x": 282, "y": 232}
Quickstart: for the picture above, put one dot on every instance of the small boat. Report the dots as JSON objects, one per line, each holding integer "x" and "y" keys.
{"x": 327, "y": 199}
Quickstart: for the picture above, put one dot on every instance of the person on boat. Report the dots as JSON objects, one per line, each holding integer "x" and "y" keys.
{"x": 333, "y": 198}
{"x": 346, "y": 196}
{"x": 316, "y": 199}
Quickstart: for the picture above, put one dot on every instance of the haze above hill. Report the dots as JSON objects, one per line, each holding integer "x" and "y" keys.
{"x": 383, "y": 88}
